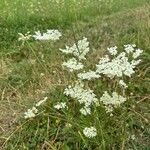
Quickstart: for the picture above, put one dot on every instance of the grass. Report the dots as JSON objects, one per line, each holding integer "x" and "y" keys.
{"x": 21, "y": 83}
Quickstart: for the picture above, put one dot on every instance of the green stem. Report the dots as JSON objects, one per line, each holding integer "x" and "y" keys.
{"x": 42, "y": 65}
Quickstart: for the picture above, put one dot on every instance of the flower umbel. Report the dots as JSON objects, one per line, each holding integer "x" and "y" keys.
{"x": 129, "y": 48}
{"x": 60, "y": 105}
{"x": 112, "y": 50}
{"x": 88, "y": 75}
{"x": 111, "y": 102}
{"x": 123, "y": 84}
{"x": 24, "y": 37}
{"x": 79, "y": 50}
{"x": 31, "y": 113}
{"x": 73, "y": 64}
{"x": 83, "y": 96}
{"x": 120, "y": 65}
{"x": 49, "y": 35}
{"x": 90, "y": 132}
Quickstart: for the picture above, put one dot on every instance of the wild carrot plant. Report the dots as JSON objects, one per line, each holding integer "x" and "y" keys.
{"x": 92, "y": 111}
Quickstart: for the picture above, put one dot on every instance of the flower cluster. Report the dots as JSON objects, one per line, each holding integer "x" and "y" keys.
{"x": 85, "y": 97}
{"x": 24, "y": 37}
{"x": 120, "y": 65}
{"x": 88, "y": 75}
{"x": 60, "y": 105}
{"x": 90, "y": 132}
{"x": 111, "y": 102}
{"x": 49, "y": 35}
{"x": 113, "y": 65}
{"x": 112, "y": 50}
{"x": 123, "y": 84}
{"x": 137, "y": 53}
{"x": 129, "y": 48}
{"x": 31, "y": 113}
{"x": 79, "y": 49}
{"x": 73, "y": 64}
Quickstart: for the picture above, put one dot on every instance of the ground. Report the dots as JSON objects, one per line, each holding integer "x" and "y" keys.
{"x": 23, "y": 77}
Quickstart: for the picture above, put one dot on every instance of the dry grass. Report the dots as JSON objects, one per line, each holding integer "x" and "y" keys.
{"x": 102, "y": 31}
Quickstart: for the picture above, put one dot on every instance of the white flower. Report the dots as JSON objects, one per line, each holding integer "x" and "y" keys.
{"x": 134, "y": 63}
{"x": 85, "y": 111}
{"x": 112, "y": 50}
{"x": 88, "y": 75}
{"x": 90, "y": 132}
{"x": 34, "y": 110}
{"x": 73, "y": 64}
{"x": 123, "y": 84}
{"x": 24, "y": 37}
{"x": 104, "y": 59}
{"x": 80, "y": 49}
{"x": 117, "y": 66}
{"x": 111, "y": 68}
{"x": 41, "y": 101}
{"x": 68, "y": 125}
{"x": 129, "y": 48}
{"x": 30, "y": 113}
{"x": 60, "y": 105}
{"x": 49, "y": 35}
{"x": 86, "y": 97}
{"x": 42, "y": 74}
{"x": 113, "y": 101}
{"x": 54, "y": 34}
{"x": 137, "y": 53}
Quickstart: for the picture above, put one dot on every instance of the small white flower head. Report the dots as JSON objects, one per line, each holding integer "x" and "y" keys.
{"x": 129, "y": 48}
{"x": 85, "y": 111}
{"x": 49, "y": 35}
{"x": 73, "y": 64}
{"x": 54, "y": 34}
{"x": 88, "y": 75}
{"x": 42, "y": 74}
{"x": 90, "y": 132}
{"x": 68, "y": 125}
{"x": 34, "y": 110}
{"x": 104, "y": 59}
{"x": 111, "y": 102}
{"x": 80, "y": 49}
{"x": 134, "y": 63}
{"x": 24, "y": 37}
{"x": 83, "y": 96}
{"x": 112, "y": 50}
{"x": 31, "y": 113}
{"x": 41, "y": 101}
{"x": 137, "y": 53}
{"x": 60, "y": 105}
{"x": 123, "y": 84}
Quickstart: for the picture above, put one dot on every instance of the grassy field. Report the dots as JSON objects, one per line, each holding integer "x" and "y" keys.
{"x": 31, "y": 71}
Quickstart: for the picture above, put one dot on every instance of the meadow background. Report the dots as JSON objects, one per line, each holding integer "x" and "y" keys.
{"x": 24, "y": 80}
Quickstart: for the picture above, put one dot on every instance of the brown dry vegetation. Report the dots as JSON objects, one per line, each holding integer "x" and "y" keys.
{"x": 23, "y": 68}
